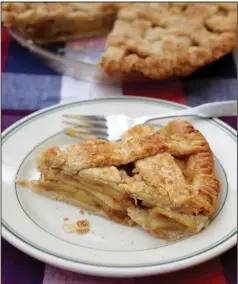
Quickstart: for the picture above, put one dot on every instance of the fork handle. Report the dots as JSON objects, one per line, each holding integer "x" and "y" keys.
{"x": 215, "y": 109}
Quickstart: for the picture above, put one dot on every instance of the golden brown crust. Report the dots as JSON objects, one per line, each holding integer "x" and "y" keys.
{"x": 138, "y": 131}
{"x": 158, "y": 179}
{"x": 177, "y": 137}
{"x": 173, "y": 176}
{"x": 161, "y": 40}
{"x": 201, "y": 173}
{"x": 99, "y": 153}
{"x": 179, "y": 188}
{"x": 50, "y": 22}
{"x": 183, "y": 139}
{"x": 187, "y": 184}
{"x": 159, "y": 182}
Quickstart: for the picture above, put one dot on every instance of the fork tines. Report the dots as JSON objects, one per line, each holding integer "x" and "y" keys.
{"x": 86, "y": 126}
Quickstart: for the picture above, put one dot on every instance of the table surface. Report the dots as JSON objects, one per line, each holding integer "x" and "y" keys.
{"x": 27, "y": 86}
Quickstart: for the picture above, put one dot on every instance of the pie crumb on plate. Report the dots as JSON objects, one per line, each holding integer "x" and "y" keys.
{"x": 81, "y": 227}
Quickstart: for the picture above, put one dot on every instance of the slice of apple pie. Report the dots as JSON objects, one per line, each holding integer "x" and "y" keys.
{"x": 162, "y": 180}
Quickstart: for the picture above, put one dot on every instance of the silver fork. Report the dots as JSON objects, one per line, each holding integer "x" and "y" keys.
{"x": 112, "y": 126}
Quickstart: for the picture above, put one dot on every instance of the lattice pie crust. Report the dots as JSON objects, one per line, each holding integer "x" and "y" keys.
{"x": 162, "y": 180}
{"x": 159, "y": 40}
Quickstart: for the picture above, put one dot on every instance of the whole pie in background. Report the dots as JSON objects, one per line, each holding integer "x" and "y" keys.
{"x": 162, "y": 180}
{"x": 159, "y": 40}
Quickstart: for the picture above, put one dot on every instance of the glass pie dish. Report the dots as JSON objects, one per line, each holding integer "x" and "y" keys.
{"x": 77, "y": 59}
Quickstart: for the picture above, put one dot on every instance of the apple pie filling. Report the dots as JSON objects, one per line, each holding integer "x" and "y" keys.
{"x": 163, "y": 181}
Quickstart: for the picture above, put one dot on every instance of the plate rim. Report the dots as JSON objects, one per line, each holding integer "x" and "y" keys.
{"x": 63, "y": 105}
{"x": 113, "y": 270}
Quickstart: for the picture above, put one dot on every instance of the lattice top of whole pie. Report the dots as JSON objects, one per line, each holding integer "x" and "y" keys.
{"x": 159, "y": 40}
{"x": 166, "y": 39}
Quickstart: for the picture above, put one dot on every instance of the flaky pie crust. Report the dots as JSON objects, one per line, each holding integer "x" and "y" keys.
{"x": 159, "y": 40}
{"x": 162, "y": 40}
{"x": 45, "y": 22}
{"x": 171, "y": 189}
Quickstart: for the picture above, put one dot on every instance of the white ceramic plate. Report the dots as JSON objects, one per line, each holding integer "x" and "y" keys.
{"x": 34, "y": 224}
